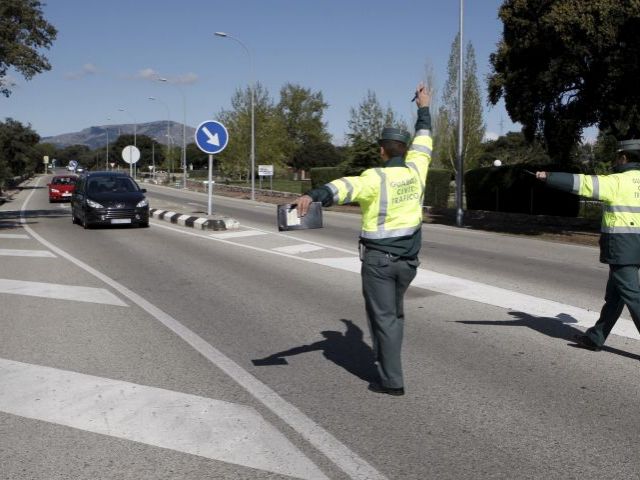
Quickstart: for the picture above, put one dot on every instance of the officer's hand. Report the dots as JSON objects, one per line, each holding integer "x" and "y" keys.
{"x": 302, "y": 205}
{"x": 423, "y": 95}
{"x": 541, "y": 175}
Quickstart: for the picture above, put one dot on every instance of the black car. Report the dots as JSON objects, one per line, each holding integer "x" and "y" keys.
{"x": 109, "y": 198}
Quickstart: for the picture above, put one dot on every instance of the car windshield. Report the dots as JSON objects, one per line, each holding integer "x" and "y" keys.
{"x": 63, "y": 181}
{"x": 111, "y": 185}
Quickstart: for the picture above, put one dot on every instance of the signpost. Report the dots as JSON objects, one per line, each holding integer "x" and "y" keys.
{"x": 211, "y": 137}
{"x": 131, "y": 155}
{"x": 266, "y": 171}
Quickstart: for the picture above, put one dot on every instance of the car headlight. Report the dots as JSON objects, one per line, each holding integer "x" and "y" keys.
{"x": 55, "y": 190}
{"x": 142, "y": 203}
{"x": 93, "y": 204}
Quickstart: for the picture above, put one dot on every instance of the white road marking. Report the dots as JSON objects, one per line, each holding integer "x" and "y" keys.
{"x": 13, "y": 236}
{"x": 336, "y": 451}
{"x": 302, "y": 248}
{"x": 238, "y": 234}
{"x": 470, "y": 290}
{"x": 76, "y": 293}
{"x": 496, "y": 296}
{"x": 186, "y": 423}
{"x": 8, "y": 252}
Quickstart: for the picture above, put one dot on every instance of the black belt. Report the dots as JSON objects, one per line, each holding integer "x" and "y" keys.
{"x": 391, "y": 256}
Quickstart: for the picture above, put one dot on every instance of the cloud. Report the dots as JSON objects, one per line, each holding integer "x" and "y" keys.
{"x": 8, "y": 81}
{"x": 86, "y": 70}
{"x": 151, "y": 75}
{"x": 187, "y": 79}
{"x": 184, "y": 79}
{"x": 147, "y": 74}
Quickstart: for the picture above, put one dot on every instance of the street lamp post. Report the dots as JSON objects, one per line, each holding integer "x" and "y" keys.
{"x": 168, "y": 131}
{"x": 135, "y": 123}
{"x": 184, "y": 134}
{"x": 253, "y": 134}
{"x": 459, "y": 176}
{"x": 107, "y": 129}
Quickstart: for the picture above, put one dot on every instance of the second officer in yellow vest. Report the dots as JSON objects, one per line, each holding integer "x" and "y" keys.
{"x": 390, "y": 238}
{"x": 619, "y": 237}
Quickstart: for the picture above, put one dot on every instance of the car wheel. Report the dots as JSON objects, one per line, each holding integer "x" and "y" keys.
{"x": 74, "y": 220}
{"x": 144, "y": 224}
{"x": 85, "y": 223}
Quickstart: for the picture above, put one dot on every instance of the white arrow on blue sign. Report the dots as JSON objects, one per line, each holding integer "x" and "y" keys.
{"x": 211, "y": 137}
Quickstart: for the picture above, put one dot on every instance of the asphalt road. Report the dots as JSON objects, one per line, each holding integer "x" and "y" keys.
{"x": 173, "y": 353}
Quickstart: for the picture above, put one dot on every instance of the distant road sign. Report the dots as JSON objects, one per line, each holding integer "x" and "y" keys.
{"x": 130, "y": 154}
{"x": 265, "y": 170}
{"x": 211, "y": 137}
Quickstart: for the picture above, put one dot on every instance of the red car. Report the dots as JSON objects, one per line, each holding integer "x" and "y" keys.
{"x": 62, "y": 187}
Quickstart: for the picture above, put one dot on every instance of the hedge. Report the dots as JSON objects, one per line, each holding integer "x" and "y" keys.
{"x": 436, "y": 194}
{"x": 437, "y": 191}
{"x": 514, "y": 189}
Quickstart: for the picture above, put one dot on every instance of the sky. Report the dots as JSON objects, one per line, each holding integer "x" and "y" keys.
{"x": 108, "y": 56}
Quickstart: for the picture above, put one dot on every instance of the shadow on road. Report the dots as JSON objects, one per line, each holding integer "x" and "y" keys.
{"x": 11, "y": 218}
{"x": 347, "y": 350}
{"x": 556, "y": 327}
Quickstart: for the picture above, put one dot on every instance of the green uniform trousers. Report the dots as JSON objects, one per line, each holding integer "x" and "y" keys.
{"x": 623, "y": 288}
{"x": 385, "y": 280}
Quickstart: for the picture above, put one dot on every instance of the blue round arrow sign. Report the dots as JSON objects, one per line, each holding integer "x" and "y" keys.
{"x": 211, "y": 137}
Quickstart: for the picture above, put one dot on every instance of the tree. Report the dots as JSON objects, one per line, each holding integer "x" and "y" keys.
{"x": 270, "y": 134}
{"x": 446, "y": 124}
{"x": 368, "y": 119}
{"x": 18, "y": 155}
{"x": 196, "y": 157}
{"x": 319, "y": 154}
{"x": 512, "y": 148}
{"x": 365, "y": 124}
{"x": 564, "y": 65}
{"x": 23, "y": 30}
{"x": 302, "y": 111}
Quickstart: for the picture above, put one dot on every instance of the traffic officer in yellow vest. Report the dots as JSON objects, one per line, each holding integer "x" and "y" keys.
{"x": 619, "y": 237}
{"x": 391, "y": 202}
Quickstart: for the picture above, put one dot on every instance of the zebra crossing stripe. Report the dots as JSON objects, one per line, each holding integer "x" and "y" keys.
{"x": 8, "y": 252}
{"x": 13, "y": 236}
{"x": 60, "y": 292}
{"x": 301, "y": 248}
{"x": 178, "y": 421}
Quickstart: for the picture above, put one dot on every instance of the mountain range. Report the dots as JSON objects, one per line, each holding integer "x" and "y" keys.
{"x": 96, "y": 136}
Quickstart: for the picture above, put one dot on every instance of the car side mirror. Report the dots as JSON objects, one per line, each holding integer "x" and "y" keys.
{"x": 143, "y": 190}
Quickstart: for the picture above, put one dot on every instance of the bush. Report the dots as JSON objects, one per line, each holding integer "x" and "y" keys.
{"x": 323, "y": 175}
{"x": 512, "y": 189}
{"x": 437, "y": 191}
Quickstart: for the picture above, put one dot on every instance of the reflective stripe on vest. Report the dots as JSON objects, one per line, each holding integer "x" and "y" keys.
{"x": 621, "y": 208}
{"x": 384, "y": 199}
{"x": 336, "y": 192}
{"x": 635, "y": 230}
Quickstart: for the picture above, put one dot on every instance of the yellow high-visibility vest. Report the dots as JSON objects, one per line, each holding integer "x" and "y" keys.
{"x": 391, "y": 198}
{"x": 620, "y": 193}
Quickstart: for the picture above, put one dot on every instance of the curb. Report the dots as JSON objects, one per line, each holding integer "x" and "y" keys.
{"x": 201, "y": 223}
